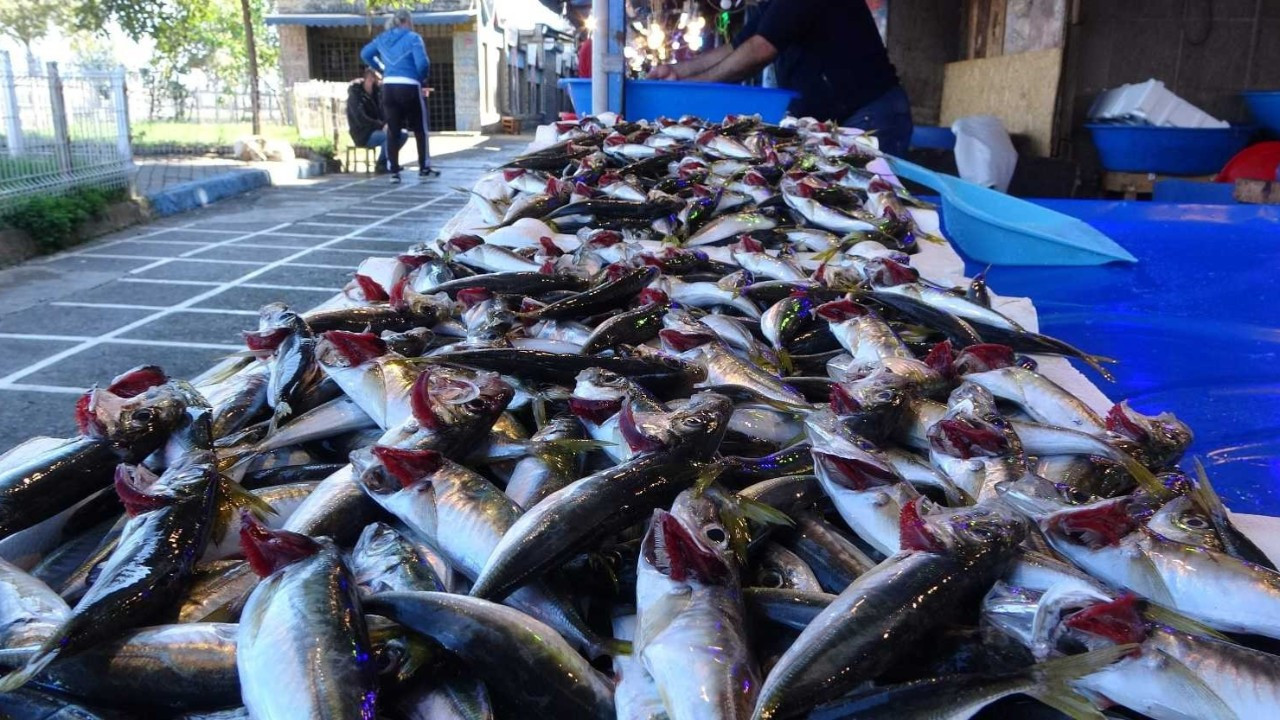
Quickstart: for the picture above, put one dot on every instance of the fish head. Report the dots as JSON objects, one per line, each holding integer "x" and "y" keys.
{"x": 702, "y": 421}
{"x": 883, "y": 272}
{"x": 342, "y": 349}
{"x": 445, "y": 396}
{"x": 642, "y": 431}
{"x": 970, "y": 436}
{"x": 377, "y": 540}
{"x": 981, "y": 357}
{"x": 1103, "y": 623}
{"x": 872, "y": 405}
{"x": 1102, "y": 524}
{"x": 844, "y": 458}
{"x": 1032, "y": 495}
{"x": 966, "y": 532}
{"x": 275, "y": 322}
{"x": 270, "y": 550}
{"x": 399, "y": 653}
{"x": 1162, "y": 439}
{"x": 1039, "y": 619}
{"x": 692, "y": 546}
{"x": 383, "y": 470}
{"x": 1182, "y": 520}
{"x": 133, "y": 419}
{"x": 598, "y": 395}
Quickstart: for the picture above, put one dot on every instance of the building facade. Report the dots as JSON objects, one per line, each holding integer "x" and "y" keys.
{"x": 489, "y": 58}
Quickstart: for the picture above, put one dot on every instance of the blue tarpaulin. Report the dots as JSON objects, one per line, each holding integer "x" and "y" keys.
{"x": 1193, "y": 324}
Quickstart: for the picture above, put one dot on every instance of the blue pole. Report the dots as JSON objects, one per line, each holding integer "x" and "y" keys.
{"x": 613, "y": 64}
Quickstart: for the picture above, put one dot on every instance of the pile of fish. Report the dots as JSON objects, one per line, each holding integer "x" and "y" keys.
{"x": 676, "y": 431}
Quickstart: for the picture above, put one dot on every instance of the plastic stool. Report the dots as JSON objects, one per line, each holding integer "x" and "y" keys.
{"x": 351, "y": 156}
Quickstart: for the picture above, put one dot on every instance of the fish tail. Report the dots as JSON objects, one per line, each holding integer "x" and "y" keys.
{"x": 1054, "y": 678}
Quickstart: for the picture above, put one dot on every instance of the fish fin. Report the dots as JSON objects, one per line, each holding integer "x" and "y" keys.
{"x": 1236, "y": 543}
{"x": 573, "y": 446}
{"x": 1144, "y": 477}
{"x": 539, "y": 411}
{"x": 762, "y": 513}
{"x": 1209, "y": 701}
{"x": 707, "y": 475}
{"x": 612, "y": 647}
{"x": 784, "y": 361}
{"x": 1159, "y": 592}
{"x": 829, "y": 254}
{"x": 1176, "y": 620}
{"x": 1204, "y": 495}
{"x": 232, "y": 497}
{"x": 34, "y": 666}
{"x": 1054, "y": 679}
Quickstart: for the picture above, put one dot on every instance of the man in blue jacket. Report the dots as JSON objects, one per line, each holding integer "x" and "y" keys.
{"x": 402, "y": 56}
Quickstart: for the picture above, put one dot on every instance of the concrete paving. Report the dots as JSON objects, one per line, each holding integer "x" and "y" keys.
{"x": 177, "y": 292}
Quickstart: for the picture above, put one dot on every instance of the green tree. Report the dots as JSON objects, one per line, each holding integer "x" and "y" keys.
{"x": 29, "y": 20}
{"x": 227, "y": 39}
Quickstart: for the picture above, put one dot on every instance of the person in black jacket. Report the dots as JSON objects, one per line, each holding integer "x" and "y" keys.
{"x": 829, "y": 51}
{"x": 364, "y": 117}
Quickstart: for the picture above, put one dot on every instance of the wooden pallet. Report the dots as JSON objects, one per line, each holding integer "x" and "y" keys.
{"x": 1131, "y": 185}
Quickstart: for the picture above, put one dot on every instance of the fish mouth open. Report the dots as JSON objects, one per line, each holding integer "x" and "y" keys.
{"x": 674, "y": 551}
{"x": 340, "y": 348}
{"x": 854, "y": 473}
{"x": 1100, "y": 525}
{"x": 968, "y": 437}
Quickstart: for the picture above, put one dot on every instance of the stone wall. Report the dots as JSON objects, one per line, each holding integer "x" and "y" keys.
{"x": 295, "y": 60}
{"x": 466, "y": 81}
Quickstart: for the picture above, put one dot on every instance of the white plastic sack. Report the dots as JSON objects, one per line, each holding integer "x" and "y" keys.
{"x": 984, "y": 152}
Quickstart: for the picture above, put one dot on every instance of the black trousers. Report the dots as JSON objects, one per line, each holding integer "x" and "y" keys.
{"x": 405, "y": 109}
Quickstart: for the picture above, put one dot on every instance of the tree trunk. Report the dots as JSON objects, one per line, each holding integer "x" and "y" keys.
{"x": 251, "y": 50}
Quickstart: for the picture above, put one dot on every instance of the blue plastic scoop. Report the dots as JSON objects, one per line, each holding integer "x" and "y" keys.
{"x": 999, "y": 229}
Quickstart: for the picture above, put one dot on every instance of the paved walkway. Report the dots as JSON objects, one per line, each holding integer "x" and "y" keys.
{"x": 177, "y": 293}
{"x": 159, "y": 172}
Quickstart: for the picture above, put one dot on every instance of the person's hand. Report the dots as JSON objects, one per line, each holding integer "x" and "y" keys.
{"x": 386, "y": 128}
{"x": 664, "y": 72}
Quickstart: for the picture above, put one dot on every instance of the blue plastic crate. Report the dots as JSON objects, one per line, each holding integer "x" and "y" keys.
{"x": 1169, "y": 151}
{"x": 648, "y": 99}
{"x": 933, "y": 136}
{"x": 1265, "y": 108}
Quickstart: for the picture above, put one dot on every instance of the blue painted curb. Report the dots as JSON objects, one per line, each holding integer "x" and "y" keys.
{"x": 198, "y": 193}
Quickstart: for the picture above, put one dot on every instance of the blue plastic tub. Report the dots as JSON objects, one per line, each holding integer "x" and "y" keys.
{"x": 933, "y": 136}
{"x": 1169, "y": 151}
{"x": 1265, "y": 108}
{"x": 648, "y": 99}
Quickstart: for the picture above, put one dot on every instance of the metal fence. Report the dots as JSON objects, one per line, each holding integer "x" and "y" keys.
{"x": 147, "y": 103}
{"x": 62, "y": 132}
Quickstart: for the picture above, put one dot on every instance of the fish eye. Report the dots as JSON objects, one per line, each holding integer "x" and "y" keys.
{"x": 715, "y": 534}
{"x": 1195, "y": 522}
{"x": 475, "y": 405}
{"x": 1077, "y": 496}
{"x": 770, "y": 578}
{"x": 142, "y": 415}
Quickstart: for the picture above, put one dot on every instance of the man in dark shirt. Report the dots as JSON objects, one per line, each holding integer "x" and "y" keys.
{"x": 364, "y": 116}
{"x": 829, "y": 51}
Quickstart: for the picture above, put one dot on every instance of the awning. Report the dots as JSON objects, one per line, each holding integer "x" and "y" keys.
{"x": 455, "y": 17}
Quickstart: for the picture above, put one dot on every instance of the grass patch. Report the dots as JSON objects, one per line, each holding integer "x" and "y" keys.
{"x": 216, "y": 134}
{"x": 53, "y": 220}
{"x": 153, "y": 138}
